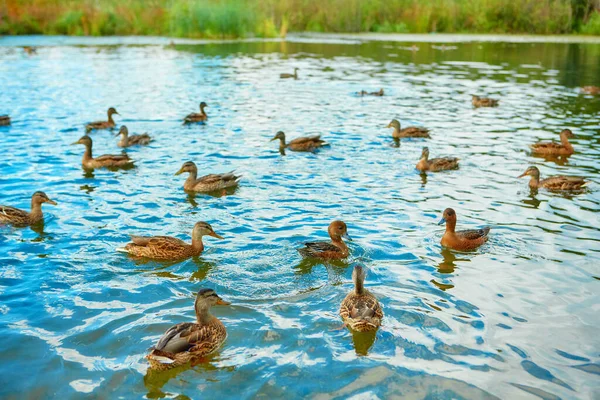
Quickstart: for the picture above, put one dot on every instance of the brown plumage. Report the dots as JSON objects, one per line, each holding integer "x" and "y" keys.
{"x": 379, "y": 93}
{"x": 109, "y": 124}
{"x": 360, "y": 310}
{"x": 334, "y": 250}
{"x": 167, "y": 247}
{"x": 557, "y": 182}
{"x": 294, "y": 75}
{"x": 197, "y": 117}
{"x": 564, "y": 148}
{"x": 30, "y": 50}
{"x": 188, "y": 342}
{"x": 4, "y": 120}
{"x": 17, "y": 217}
{"x": 104, "y": 161}
{"x": 308, "y": 143}
{"x": 483, "y": 101}
{"x": 435, "y": 164}
{"x": 591, "y": 89}
{"x": 132, "y": 140}
{"x": 410, "y": 132}
{"x": 461, "y": 240}
{"x": 206, "y": 183}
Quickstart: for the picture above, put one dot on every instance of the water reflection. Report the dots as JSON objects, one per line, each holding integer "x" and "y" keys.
{"x": 363, "y": 341}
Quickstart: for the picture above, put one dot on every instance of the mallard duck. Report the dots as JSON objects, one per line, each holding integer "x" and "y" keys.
{"x": 557, "y": 182}
{"x": 410, "y": 132}
{"x": 188, "y": 341}
{"x": 483, "y": 101}
{"x": 206, "y": 183}
{"x": 563, "y": 148}
{"x": 17, "y": 217}
{"x": 365, "y": 93}
{"x": 167, "y": 247}
{"x": 335, "y": 250}
{"x": 107, "y": 160}
{"x": 435, "y": 164}
{"x": 197, "y": 117}
{"x": 360, "y": 310}
{"x": 103, "y": 124}
{"x": 461, "y": 240}
{"x": 591, "y": 89}
{"x": 132, "y": 140}
{"x": 30, "y": 50}
{"x": 308, "y": 143}
{"x": 4, "y": 120}
{"x": 294, "y": 75}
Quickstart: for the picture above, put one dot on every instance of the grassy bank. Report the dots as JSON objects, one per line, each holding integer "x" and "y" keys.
{"x": 270, "y": 18}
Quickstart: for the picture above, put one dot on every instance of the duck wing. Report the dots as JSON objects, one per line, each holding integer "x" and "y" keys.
{"x": 139, "y": 139}
{"x": 8, "y": 213}
{"x": 414, "y": 131}
{"x": 366, "y": 307}
{"x": 472, "y": 234}
{"x": 166, "y": 243}
{"x": 562, "y": 182}
{"x": 443, "y": 163}
{"x": 316, "y": 248}
{"x": 216, "y": 178}
{"x": 185, "y": 336}
{"x": 113, "y": 158}
{"x": 194, "y": 117}
{"x": 546, "y": 146}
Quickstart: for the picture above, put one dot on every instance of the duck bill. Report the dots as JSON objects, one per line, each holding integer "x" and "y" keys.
{"x": 522, "y": 175}
{"x": 51, "y": 202}
{"x": 214, "y": 234}
{"x": 388, "y": 126}
{"x": 222, "y": 302}
{"x": 347, "y": 237}
{"x": 117, "y": 134}
{"x": 77, "y": 142}
{"x": 179, "y": 172}
{"x": 273, "y": 139}
{"x": 442, "y": 221}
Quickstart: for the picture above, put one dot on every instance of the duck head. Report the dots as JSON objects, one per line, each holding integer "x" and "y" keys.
{"x": 338, "y": 230}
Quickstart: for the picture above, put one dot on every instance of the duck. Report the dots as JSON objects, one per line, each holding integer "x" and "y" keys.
{"x": 564, "y": 148}
{"x": 365, "y": 93}
{"x": 167, "y": 247}
{"x": 557, "y": 182}
{"x": 461, "y": 240}
{"x": 294, "y": 75}
{"x": 590, "y": 89}
{"x": 4, "y": 120}
{"x": 197, "y": 117}
{"x": 17, "y": 217}
{"x": 483, "y": 101}
{"x": 360, "y": 310}
{"x": 190, "y": 341}
{"x": 104, "y": 161}
{"x": 30, "y": 50}
{"x": 435, "y": 164}
{"x": 409, "y": 132}
{"x": 206, "y": 183}
{"x": 334, "y": 250}
{"x": 308, "y": 143}
{"x": 110, "y": 124}
{"x": 132, "y": 140}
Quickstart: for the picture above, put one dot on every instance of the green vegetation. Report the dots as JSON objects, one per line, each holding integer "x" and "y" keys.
{"x": 271, "y": 18}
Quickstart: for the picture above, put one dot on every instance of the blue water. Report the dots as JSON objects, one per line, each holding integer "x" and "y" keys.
{"x": 518, "y": 318}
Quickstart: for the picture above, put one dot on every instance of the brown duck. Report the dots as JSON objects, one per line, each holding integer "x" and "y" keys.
{"x": 167, "y": 247}
{"x": 360, "y": 310}
{"x": 110, "y": 124}
{"x": 294, "y": 75}
{"x": 435, "y": 164}
{"x": 410, "y": 132}
{"x": 104, "y": 161}
{"x": 379, "y": 93}
{"x": 17, "y": 217}
{"x": 461, "y": 240}
{"x": 308, "y": 143}
{"x": 334, "y": 250}
{"x": 483, "y": 101}
{"x": 206, "y": 183}
{"x": 564, "y": 148}
{"x": 189, "y": 342}
{"x": 591, "y": 89}
{"x": 557, "y": 182}
{"x": 132, "y": 140}
{"x": 4, "y": 120}
{"x": 30, "y": 50}
{"x": 197, "y": 117}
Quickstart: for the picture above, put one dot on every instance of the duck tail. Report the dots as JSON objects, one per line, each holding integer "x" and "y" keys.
{"x": 122, "y": 250}
{"x": 160, "y": 357}
{"x": 486, "y": 230}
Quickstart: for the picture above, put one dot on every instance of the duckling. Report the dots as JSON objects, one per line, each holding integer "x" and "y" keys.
{"x": 557, "y": 182}
{"x": 435, "y": 164}
{"x": 308, "y": 143}
{"x": 107, "y": 160}
{"x": 360, "y": 310}
{"x": 365, "y": 93}
{"x": 132, "y": 140}
{"x": 197, "y": 117}
{"x": 167, "y": 247}
{"x": 564, "y": 148}
{"x": 4, "y": 120}
{"x": 410, "y": 132}
{"x": 17, "y": 217}
{"x": 110, "y": 124}
{"x": 294, "y": 75}
{"x": 188, "y": 341}
{"x": 207, "y": 183}
{"x": 591, "y": 89}
{"x": 335, "y": 250}
{"x": 483, "y": 101}
{"x": 461, "y": 240}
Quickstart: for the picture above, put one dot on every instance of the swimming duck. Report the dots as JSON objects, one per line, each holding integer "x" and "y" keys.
{"x": 103, "y": 124}
{"x": 435, "y": 164}
{"x": 294, "y": 75}
{"x": 591, "y": 89}
{"x": 17, "y": 217}
{"x": 335, "y": 250}
{"x": 365, "y": 93}
{"x": 410, "y": 132}
{"x": 483, "y": 101}
{"x": 308, "y": 143}
{"x": 557, "y": 182}
{"x": 197, "y": 117}
{"x": 167, "y": 247}
{"x": 188, "y": 341}
{"x": 4, "y": 120}
{"x": 107, "y": 160}
{"x": 132, "y": 140}
{"x": 30, "y": 50}
{"x": 360, "y": 310}
{"x": 207, "y": 183}
{"x": 461, "y": 240}
{"x": 563, "y": 148}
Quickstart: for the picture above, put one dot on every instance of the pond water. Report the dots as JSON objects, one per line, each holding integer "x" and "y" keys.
{"x": 518, "y": 318}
